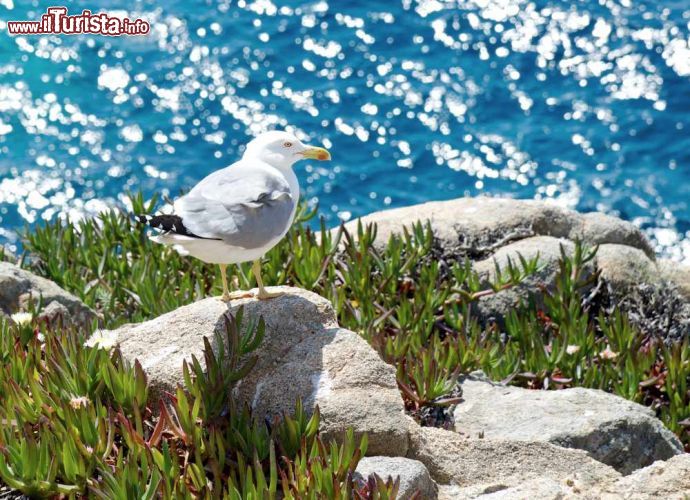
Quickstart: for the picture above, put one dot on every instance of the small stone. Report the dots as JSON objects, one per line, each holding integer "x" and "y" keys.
{"x": 414, "y": 477}
{"x": 19, "y": 287}
{"x": 55, "y": 311}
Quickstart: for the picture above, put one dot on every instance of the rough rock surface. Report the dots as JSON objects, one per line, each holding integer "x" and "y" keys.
{"x": 624, "y": 267}
{"x": 18, "y": 287}
{"x": 669, "y": 480}
{"x": 304, "y": 354}
{"x": 479, "y": 222}
{"x": 414, "y": 477}
{"x": 613, "y": 430}
{"x": 678, "y": 274}
{"x": 480, "y": 466}
{"x": 537, "y": 488}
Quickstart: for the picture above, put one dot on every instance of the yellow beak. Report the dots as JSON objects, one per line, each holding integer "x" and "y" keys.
{"x": 314, "y": 153}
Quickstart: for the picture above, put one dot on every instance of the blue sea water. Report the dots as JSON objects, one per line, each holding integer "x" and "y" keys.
{"x": 583, "y": 103}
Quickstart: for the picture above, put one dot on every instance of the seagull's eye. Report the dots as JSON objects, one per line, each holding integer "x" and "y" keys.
{"x": 287, "y": 144}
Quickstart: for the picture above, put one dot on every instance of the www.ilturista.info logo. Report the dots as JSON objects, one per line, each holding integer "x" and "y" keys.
{"x": 56, "y": 21}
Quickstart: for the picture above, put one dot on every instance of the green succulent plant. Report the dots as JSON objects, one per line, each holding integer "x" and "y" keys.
{"x": 77, "y": 421}
{"x": 74, "y": 421}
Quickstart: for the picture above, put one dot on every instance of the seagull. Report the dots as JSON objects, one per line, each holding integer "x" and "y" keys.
{"x": 240, "y": 212}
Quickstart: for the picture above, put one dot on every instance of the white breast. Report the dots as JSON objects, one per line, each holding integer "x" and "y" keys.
{"x": 291, "y": 178}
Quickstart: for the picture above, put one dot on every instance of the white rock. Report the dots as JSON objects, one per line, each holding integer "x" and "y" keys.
{"x": 414, "y": 477}
{"x": 304, "y": 354}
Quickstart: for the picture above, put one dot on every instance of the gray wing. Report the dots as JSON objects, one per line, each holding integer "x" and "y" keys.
{"x": 244, "y": 205}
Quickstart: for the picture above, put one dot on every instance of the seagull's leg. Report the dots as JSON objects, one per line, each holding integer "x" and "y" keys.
{"x": 263, "y": 294}
{"x": 227, "y": 296}
{"x": 224, "y": 276}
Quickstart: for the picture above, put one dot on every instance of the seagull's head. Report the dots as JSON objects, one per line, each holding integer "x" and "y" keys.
{"x": 282, "y": 149}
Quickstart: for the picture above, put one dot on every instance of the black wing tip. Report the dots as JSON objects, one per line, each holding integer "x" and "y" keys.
{"x": 168, "y": 223}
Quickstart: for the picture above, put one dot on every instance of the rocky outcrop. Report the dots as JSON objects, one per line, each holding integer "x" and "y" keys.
{"x": 613, "y": 430}
{"x": 489, "y": 230}
{"x": 535, "y": 444}
{"x": 414, "y": 476}
{"x": 19, "y": 287}
{"x": 304, "y": 354}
